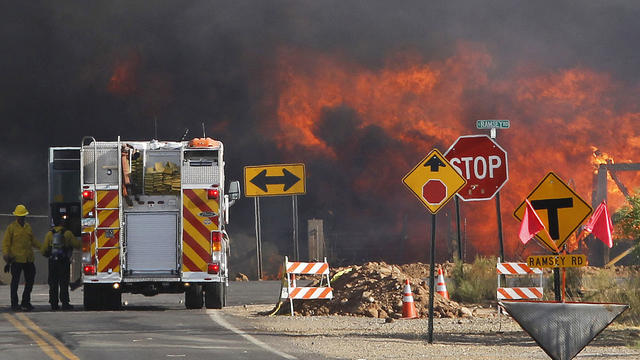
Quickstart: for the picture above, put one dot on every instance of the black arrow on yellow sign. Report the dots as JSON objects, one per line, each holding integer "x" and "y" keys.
{"x": 435, "y": 163}
{"x": 288, "y": 179}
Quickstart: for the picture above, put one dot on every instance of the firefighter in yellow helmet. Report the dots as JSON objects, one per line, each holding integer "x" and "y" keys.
{"x": 17, "y": 249}
{"x": 58, "y": 247}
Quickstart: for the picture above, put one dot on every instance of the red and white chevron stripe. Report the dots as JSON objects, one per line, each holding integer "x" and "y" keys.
{"x": 311, "y": 293}
{"x": 517, "y": 293}
{"x": 312, "y": 268}
{"x": 516, "y": 269}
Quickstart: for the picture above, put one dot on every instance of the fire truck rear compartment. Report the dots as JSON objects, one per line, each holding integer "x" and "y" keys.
{"x": 151, "y": 244}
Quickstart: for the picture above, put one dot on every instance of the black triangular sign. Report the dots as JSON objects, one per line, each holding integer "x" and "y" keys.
{"x": 562, "y": 330}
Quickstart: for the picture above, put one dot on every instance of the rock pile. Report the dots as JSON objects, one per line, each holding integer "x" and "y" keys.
{"x": 375, "y": 290}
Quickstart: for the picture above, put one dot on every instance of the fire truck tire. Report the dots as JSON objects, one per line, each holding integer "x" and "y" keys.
{"x": 91, "y": 297}
{"x": 214, "y": 295}
{"x": 101, "y": 297}
{"x": 225, "y": 287}
{"x": 112, "y": 298}
{"x": 193, "y": 297}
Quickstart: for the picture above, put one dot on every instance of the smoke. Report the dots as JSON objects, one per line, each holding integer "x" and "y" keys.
{"x": 359, "y": 91}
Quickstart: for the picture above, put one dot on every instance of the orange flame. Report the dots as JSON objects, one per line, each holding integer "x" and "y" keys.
{"x": 558, "y": 120}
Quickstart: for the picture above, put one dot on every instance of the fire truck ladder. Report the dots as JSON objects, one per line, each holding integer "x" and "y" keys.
{"x": 109, "y": 230}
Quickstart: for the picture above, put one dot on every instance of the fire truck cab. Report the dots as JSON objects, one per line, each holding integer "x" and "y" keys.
{"x": 153, "y": 220}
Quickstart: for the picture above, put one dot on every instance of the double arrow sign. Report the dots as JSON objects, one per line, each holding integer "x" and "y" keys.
{"x": 273, "y": 180}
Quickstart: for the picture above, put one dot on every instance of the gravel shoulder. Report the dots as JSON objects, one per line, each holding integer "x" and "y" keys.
{"x": 480, "y": 337}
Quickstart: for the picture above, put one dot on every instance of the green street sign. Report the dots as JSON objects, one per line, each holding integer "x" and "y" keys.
{"x": 493, "y": 124}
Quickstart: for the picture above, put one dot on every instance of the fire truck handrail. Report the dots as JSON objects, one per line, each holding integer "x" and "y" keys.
{"x": 95, "y": 164}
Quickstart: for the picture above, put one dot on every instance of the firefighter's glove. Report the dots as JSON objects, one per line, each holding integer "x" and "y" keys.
{"x": 7, "y": 267}
{"x": 6, "y": 257}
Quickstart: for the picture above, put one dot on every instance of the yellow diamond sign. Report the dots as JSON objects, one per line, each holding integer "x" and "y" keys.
{"x": 559, "y": 207}
{"x": 434, "y": 181}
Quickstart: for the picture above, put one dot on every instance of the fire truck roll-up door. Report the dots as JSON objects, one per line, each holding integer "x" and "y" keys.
{"x": 151, "y": 244}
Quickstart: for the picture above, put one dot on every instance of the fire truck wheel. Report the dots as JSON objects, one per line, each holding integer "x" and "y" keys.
{"x": 101, "y": 297}
{"x": 112, "y": 299}
{"x": 224, "y": 299}
{"x": 91, "y": 297}
{"x": 193, "y": 296}
{"x": 214, "y": 295}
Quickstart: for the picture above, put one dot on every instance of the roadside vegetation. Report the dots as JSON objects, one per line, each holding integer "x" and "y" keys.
{"x": 475, "y": 282}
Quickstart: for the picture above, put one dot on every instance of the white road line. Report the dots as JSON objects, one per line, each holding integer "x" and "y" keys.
{"x": 213, "y": 314}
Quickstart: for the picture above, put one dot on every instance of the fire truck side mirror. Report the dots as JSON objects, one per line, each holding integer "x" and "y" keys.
{"x": 234, "y": 191}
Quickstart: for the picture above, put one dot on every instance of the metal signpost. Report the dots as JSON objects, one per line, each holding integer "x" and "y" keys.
{"x": 275, "y": 180}
{"x": 434, "y": 182}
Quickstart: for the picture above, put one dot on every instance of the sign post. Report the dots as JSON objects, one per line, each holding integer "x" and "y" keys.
{"x": 434, "y": 182}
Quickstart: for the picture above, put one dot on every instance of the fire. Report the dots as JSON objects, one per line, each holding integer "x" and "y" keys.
{"x": 123, "y": 79}
{"x": 371, "y": 125}
{"x": 600, "y": 158}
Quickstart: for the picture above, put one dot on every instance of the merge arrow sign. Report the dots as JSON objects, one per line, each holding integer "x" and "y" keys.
{"x": 271, "y": 180}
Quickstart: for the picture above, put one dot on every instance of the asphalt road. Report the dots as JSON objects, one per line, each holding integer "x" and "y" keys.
{"x": 147, "y": 328}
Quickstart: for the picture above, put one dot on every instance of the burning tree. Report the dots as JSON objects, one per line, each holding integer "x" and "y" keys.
{"x": 627, "y": 220}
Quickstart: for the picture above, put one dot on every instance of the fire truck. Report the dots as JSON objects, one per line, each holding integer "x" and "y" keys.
{"x": 153, "y": 220}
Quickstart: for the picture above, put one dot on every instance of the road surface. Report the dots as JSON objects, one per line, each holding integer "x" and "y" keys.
{"x": 147, "y": 328}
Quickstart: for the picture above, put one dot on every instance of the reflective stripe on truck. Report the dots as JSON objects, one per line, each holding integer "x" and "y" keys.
{"x": 200, "y": 218}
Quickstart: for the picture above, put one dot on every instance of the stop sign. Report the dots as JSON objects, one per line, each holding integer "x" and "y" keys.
{"x": 482, "y": 162}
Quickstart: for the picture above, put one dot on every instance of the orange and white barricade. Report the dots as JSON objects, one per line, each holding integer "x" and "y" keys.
{"x": 518, "y": 293}
{"x": 292, "y": 291}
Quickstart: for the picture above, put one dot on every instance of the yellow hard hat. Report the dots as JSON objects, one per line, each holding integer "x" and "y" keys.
{"x": 20, "y": 210}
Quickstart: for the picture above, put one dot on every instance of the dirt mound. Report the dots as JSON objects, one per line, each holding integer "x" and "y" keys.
{"x": 375, "y": 290}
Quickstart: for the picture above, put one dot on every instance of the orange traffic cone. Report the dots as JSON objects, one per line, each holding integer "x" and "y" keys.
{"x": 408, "y": 307}
{"x": 441, "y": 287}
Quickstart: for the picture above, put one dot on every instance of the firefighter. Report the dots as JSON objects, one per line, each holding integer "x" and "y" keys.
{"x": 17, "y": 249}
{"x": 58, "y": 247}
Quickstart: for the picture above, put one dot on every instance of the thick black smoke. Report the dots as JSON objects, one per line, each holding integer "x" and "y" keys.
{"x": 185, "y": 63}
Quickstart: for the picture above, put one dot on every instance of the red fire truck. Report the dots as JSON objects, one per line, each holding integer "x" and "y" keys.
{"x": 153, "y": 217}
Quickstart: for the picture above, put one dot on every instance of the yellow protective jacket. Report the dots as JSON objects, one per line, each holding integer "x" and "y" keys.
{"x": 18, "y": 242}
{"x": 70, "y": 240}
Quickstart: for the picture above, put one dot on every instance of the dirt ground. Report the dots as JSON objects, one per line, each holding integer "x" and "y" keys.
{"x": 484, "y": 336}
{"x": 363, "y": 321}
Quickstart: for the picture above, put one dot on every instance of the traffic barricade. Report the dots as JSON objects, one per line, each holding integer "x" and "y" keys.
{"x": 517, "y": 293}
{"x": 293, "y": 291}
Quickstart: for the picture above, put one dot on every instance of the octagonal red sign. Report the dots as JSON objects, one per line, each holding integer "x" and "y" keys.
{"x": 482, "y": 162}
{"x": 434, "y": 191}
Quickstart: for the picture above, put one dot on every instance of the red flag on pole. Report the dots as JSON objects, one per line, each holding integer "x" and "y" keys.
{"x": 531, "y": 224}
{"x": 600, "y": 224}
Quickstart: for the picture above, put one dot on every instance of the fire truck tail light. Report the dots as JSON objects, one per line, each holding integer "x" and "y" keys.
{"x": 87, "y": 195}
{"x": 213, "y": 194}
{"x": 216, "y": 238}
{"x": 213, "y": 268}
{"x": 86, "y": 242}
{"x": 89, "y": 270}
